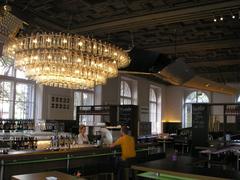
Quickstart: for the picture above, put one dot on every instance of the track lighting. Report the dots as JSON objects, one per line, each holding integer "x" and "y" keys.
{"x": 223, "y": 17}
{"x": 214, "y": 19}
{"x": 233, "y": 15}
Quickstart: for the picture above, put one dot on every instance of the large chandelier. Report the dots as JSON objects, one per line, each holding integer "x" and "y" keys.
{"x": 65, "y": 60}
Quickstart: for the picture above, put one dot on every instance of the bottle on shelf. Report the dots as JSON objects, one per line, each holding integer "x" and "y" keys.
{"x": 20, "y": 125}
{"x": 15, "y": 125}
{"x": 24, "y": 125}
{"x": 1, "y": 125}
{"x": 12, "y": 125}
{"x": 35, "y": 143}
{"x": 6, "y": 126}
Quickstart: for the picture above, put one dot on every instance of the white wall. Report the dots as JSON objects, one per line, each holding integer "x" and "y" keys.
{"x": 56, "y": 114}
{"x": 174, "y": 103}
{"x": 172, "y": 97}
{"x": 175, "y": 96}
{"x": 222, "y": 98}
{"x": 111, "y": 91}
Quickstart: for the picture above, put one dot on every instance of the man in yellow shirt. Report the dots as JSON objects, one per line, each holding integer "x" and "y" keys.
{"x": 128, "y": 155}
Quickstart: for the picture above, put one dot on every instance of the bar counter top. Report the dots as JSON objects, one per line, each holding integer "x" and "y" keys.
{"x": 87, "y": 158}
{"x": 51, "y": 151}
{"x": 89, "y": 148}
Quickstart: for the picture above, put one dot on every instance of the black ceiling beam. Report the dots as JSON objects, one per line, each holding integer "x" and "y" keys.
{"x": 216, "y": 73}
{"x": 197, "y": 46}
{"x": 214, "y": 63}
{"x": 168, "y": 17}
{"x": 30, "y": 17}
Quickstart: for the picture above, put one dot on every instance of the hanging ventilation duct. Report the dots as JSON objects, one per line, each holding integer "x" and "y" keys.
{"x": 175, "y": 72}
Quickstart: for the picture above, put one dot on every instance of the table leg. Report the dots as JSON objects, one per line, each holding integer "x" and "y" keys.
{"x": 209, "y": 159}
{"x": 237, "y": 162}
{"x": 164, "y": 147}
{"x": 135, "y": 172}
{"x": 2, "y": 170}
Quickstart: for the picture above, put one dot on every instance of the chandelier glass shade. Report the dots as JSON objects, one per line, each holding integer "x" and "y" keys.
{"x": 65, "y": 60}
{"x": 9, "y": 24}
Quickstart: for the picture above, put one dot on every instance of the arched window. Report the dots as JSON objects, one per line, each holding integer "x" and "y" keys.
{"x": 153, "y": 110}
{"x": 194, "y": 97}
{"x": 125, "y": 93}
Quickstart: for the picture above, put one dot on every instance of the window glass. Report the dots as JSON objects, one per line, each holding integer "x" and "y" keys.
{"x": 122, "y": 88}
{"x": 238, "y": 100}
{"x": 6, "y": 99}
{"x": 6, "y": 66}
{"x": 127, "y": 101}
{"x": 125, "y": 93}
{"x": 77, "y": 98}
{"x": 127, "y": 90}
{"x": 16, "y": 99}
{"x": 194, "y": 97}
{"x": 88, "y": 98}
{"x": 197, "y": 97}
{"x": 20, "y": 74}
{"x": 83, "y": 98}
{"x": 24, "y": 101}
{"x": 153, "y": 107}
{"x": 152, "y": 96}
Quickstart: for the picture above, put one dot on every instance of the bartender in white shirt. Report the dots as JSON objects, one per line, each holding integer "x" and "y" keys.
{"x": 82, "y": 136}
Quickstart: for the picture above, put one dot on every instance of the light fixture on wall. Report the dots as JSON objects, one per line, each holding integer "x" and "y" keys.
{"x": 67, "y": 61}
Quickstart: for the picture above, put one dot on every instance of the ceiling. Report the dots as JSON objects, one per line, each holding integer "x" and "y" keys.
{"x": 177, "y": 28}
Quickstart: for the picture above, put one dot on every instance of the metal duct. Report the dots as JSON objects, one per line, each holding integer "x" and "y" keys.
{"x": 147, "y": 61}
{"x": 177, "y": 72}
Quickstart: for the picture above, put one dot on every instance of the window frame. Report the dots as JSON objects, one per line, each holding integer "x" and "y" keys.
{"x": 187, "y": 106}
{"x": 123, "y": 97}
{"x": 155, "y": 103}
{"x": 14, "y": 82}
{"x": 81, "y": 103}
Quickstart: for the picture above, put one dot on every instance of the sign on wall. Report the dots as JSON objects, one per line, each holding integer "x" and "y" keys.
{"x": 60, "y": 107}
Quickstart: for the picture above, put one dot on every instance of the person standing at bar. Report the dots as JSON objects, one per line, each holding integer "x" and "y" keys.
{"x": 128, "y": 153}
{"x": 82, "y": 136}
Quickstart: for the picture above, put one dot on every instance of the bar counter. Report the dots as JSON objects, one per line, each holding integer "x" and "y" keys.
{"x": 86, "y": 159}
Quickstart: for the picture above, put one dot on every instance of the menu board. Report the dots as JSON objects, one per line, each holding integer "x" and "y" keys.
{"x": 125, "y": 114}
{"x": 200, "y": 116}
{"x": 145, "y": 128}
